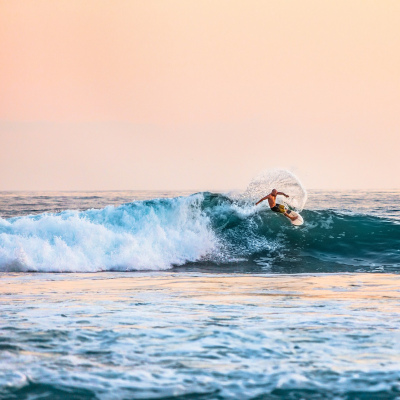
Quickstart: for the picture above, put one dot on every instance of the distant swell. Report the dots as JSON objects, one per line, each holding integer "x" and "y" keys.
{"x": 200, "y": 229}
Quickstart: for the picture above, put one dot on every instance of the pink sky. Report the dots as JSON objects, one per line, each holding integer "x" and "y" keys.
{"x": 198, "y": 94}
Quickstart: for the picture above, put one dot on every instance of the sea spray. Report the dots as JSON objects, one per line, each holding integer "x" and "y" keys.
{"x": 281, "y": 180}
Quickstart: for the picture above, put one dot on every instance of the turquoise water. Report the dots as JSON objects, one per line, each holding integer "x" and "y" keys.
{"x": 349, "y": 232}
{"x": 180, "y": 296}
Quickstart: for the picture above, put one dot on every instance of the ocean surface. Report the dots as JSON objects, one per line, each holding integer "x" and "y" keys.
{"x": 182, "y": 295}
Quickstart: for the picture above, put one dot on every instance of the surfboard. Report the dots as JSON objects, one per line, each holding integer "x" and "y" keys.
{"x": 298, "y": 221}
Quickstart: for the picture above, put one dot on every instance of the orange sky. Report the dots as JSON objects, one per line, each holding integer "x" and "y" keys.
{"x": 197, "y": 94}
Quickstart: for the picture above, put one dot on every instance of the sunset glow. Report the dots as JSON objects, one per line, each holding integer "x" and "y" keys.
{"x": 188, "y": 94}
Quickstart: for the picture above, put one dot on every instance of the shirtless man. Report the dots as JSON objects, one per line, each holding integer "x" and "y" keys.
{"x": 280, "y": 208}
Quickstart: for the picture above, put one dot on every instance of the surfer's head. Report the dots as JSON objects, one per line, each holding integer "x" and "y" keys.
{"x": 274, "y": 192}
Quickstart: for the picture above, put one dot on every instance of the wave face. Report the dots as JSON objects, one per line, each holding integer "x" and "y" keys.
{"x": 203, "y": 230}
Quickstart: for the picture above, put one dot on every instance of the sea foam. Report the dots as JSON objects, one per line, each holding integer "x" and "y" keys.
{"x": 152, "y": 234}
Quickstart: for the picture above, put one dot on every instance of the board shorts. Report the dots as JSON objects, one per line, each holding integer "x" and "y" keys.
{"x": 280, "y": 208}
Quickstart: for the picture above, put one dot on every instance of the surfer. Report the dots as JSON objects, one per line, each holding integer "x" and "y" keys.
{"x": 280, "y": 208}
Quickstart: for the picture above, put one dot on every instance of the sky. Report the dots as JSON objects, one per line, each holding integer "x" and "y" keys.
{"x": 198, "y": 94}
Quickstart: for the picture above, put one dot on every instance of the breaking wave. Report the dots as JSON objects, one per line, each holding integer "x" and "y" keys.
{"x": 203, "y": 228}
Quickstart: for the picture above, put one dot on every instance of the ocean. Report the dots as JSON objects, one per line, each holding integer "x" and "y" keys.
{"x": 184, "y": 295}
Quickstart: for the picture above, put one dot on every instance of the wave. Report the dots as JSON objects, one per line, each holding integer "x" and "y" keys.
{"x": 203, "y": 229}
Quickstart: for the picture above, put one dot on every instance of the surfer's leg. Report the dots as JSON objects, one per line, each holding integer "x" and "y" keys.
{"x": 286, "y": 214}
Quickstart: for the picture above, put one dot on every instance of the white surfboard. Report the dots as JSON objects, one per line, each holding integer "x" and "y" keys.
{"x": 298, "y": 221}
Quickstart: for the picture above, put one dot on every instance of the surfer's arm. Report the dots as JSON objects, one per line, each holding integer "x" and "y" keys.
{"x": 283, "y": 194}
{"x": 259, "y": 201}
